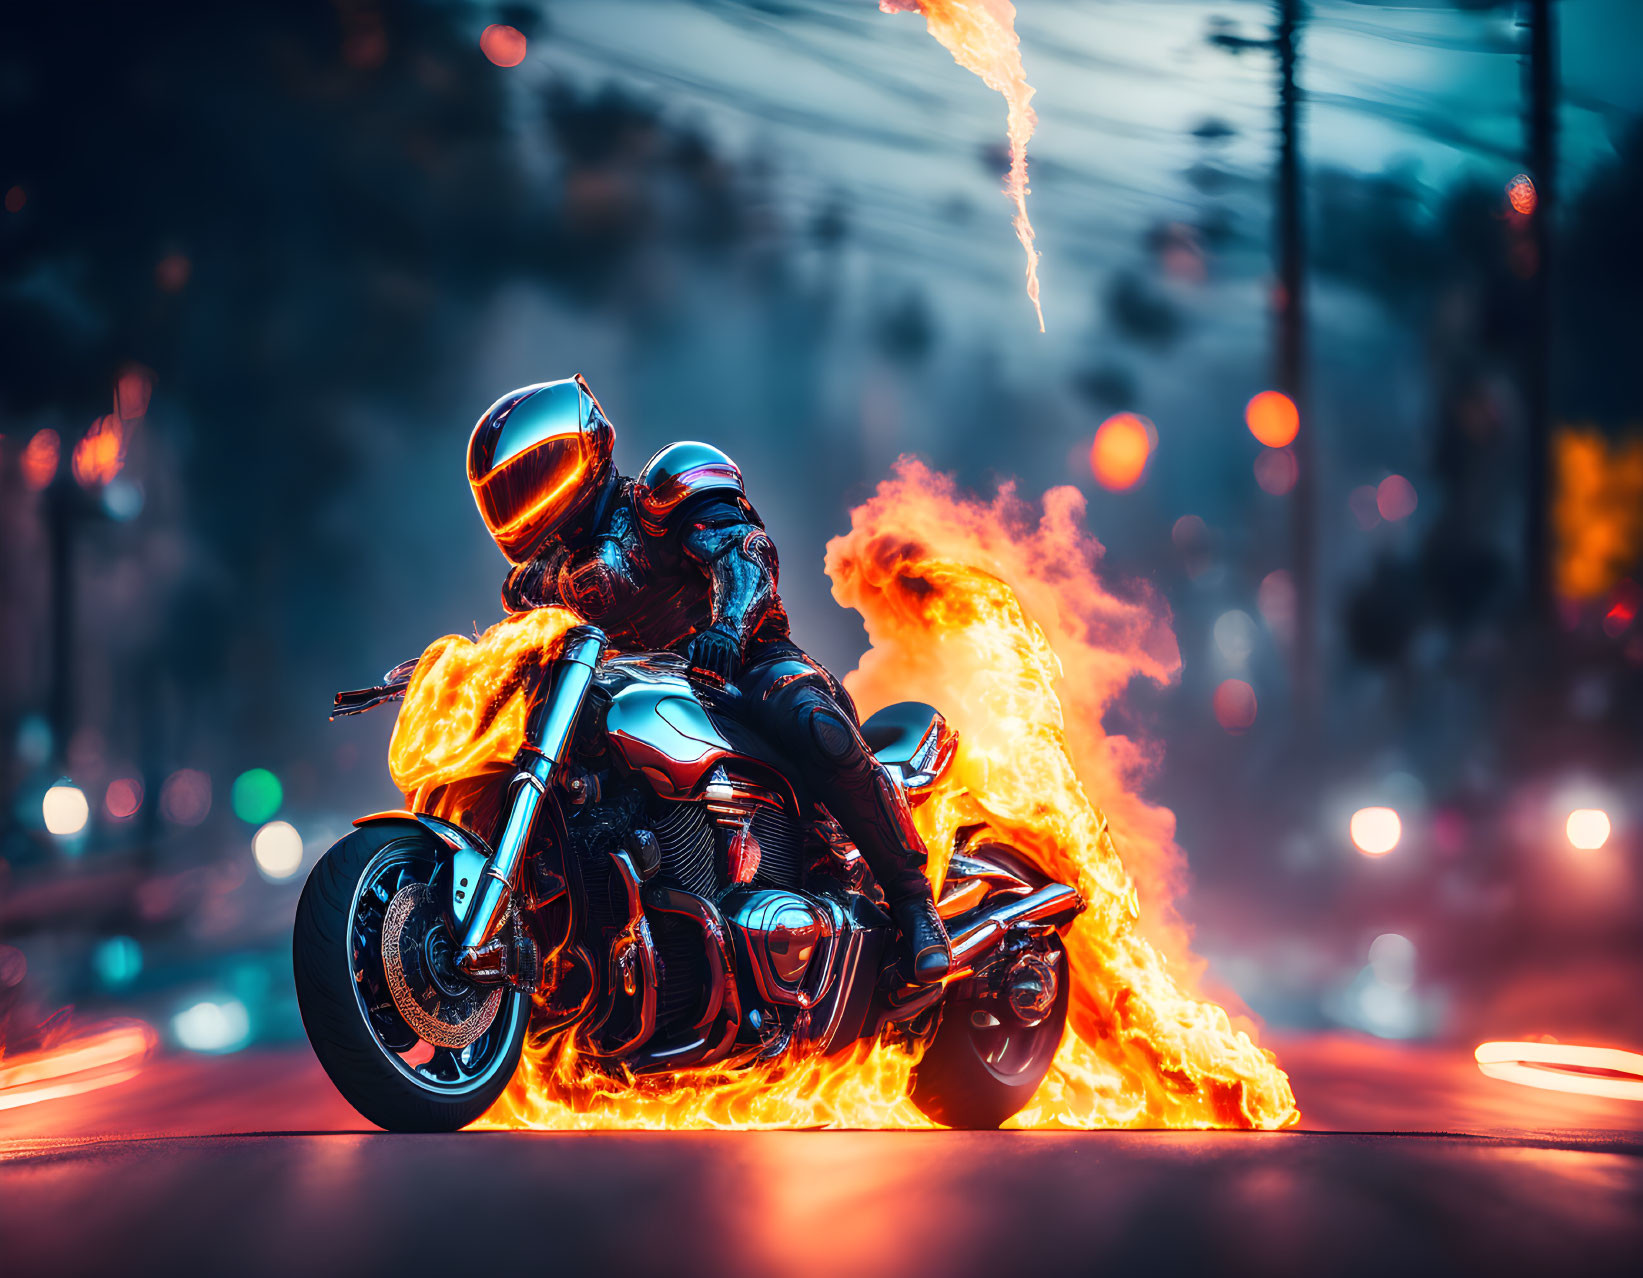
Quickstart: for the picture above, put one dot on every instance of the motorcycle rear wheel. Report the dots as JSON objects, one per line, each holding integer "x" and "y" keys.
{"x": 377, "y": 1061}
{"x": 976, "y": 1075}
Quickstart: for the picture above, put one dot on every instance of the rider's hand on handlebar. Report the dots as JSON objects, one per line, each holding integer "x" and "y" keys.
{"x": 714, "y": 653}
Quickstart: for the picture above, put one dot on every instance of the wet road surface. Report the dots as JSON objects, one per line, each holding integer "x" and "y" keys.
{"x": 170, "y": 1174}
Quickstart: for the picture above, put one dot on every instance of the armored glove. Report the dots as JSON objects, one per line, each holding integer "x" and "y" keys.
{"x": 714, "y": 652}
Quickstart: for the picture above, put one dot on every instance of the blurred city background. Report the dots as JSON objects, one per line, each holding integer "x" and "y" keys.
{"x": 1343, "y": 344}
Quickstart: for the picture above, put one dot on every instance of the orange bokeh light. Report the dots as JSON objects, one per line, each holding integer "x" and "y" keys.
{"x": 1521, "y": 194}
{"x": 502, "y": 44}
{"x": 1234, "y": 706}
{"x": 1273, "y": 419}
{"x": 1119, "y": 455}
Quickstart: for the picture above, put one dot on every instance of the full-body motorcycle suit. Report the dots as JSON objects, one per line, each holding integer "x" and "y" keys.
{"x": 677, "y": 558}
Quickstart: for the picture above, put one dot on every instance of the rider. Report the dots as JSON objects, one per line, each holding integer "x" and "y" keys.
{"x": 677, "y": 557}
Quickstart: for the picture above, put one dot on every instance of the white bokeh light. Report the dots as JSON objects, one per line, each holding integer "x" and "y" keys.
{"x": 277, "y": 849}
{"x": 1587, "y": 828}
{"x": 1375, "y": 831}
{"x": 65, "y": 809}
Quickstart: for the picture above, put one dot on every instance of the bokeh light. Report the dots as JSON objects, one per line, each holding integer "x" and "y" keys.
{"x": 1395, "y": 498}
{"x": 1587, "y": 828}
{"x": 118, "y": 961}
{"x": 1235, "y": 636}
{"x": 1234, "y": 706}
{"x": 1119, "y": 455}
{"x": 1276, "y": 600}
{"x": 256, "y": 795}
{"x": 277, "y": 850}
{"x": 65, "y": 810}
{"x": 185, "y": 798}
{"x": 1392, "y": 959}
{"x": 123, "y": 798}
{"x": 502, "y": 44}
{"x": 1375, "y": 831}
{"x": 208, "y": 1026}
{"x": 1273, "y": 419}
{"x": 1276, "y": 471}
{"x": 1521, "y": 194}
{"x": 39, "y": 460}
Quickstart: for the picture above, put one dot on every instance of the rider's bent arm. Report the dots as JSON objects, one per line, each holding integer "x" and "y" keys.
{"x": 739, "y": 559}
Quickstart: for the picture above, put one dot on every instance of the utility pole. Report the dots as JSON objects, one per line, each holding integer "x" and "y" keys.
{"x": 1540, "y": 124}
{"x": 1291, "y": 358}
{"x": 1289, "y": 363}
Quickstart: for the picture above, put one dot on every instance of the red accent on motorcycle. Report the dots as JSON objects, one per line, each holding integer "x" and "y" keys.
{"x": 743, "y": 855}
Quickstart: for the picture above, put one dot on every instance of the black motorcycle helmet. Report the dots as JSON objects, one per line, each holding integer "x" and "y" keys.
{"x": 536, "y": 460}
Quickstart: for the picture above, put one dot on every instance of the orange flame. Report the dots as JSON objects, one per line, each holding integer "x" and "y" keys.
{"x": 980, "y": 34}
{"x": 465, "y": 708}
{"x": 1002, "y": 621}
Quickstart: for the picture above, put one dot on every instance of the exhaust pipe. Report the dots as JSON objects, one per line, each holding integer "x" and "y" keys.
{"x": 1054, "y": 904}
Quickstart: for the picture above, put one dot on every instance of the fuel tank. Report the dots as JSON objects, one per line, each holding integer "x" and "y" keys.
{"x": 656, "y": 720}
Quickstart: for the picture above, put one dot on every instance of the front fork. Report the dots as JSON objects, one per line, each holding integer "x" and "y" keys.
{"x": 547, "y": 736}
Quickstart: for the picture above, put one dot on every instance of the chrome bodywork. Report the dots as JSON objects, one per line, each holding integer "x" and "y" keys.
{"x": 682, "y": 470}
{"x": 549, "y": 733}
{"x": 779, "y": 967}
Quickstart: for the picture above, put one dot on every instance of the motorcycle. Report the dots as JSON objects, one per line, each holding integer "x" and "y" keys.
{"x": 649, "y": 876}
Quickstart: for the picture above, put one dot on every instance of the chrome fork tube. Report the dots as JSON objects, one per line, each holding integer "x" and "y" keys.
{"x": 546, "y": 737}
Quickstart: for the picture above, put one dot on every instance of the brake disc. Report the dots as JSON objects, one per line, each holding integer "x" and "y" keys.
{"x": 443, "y": 1007}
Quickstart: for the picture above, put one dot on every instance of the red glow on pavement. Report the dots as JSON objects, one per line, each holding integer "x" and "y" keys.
{"x": 1118, "y": 458}
{"x": 502, "y": 44}
{"x": 16, "y": 197}
{"x": 1234, "y": 706}
{"x": 1395, "y": 498}
{"x": 1273, "y": 419}
{"x": 1276, "y": 471}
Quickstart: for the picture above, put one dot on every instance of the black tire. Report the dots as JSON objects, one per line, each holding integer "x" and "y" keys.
{"x": 956, "y": 1084}
{"x": 369, "y": 1071}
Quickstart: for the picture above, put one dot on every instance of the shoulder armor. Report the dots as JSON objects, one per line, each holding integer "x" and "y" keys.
{"x": 679, "y": 471}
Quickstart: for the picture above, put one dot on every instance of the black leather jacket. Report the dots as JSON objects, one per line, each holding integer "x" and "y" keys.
{"x": 664, "y": 555}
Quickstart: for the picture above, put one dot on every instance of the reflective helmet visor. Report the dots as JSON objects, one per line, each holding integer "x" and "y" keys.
{"x": 533, "y": 462}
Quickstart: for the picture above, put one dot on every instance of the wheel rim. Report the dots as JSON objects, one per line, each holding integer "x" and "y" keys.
{"x": 1009, "y": 1050}
{"x": 448, "y": 1071}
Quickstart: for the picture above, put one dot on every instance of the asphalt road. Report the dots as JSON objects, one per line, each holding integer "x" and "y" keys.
{"x": 167, "y": 1175}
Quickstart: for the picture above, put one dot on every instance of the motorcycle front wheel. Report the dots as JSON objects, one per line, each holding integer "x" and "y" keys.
{"x": 372, "y": 1008}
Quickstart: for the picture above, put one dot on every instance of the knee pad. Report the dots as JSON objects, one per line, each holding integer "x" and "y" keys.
{"x": 832, "y": 735}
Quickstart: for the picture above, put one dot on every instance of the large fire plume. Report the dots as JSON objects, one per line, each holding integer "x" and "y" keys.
{"x": 994, "y": 612}
{"x": 980, "y": 34}
{"x": 999, "y": 617}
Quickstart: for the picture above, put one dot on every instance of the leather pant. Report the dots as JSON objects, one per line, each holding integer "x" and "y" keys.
{"x": 804, "y": 712}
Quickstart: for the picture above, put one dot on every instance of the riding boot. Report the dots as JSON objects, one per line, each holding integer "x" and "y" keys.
{"x": 816, "y": 725}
